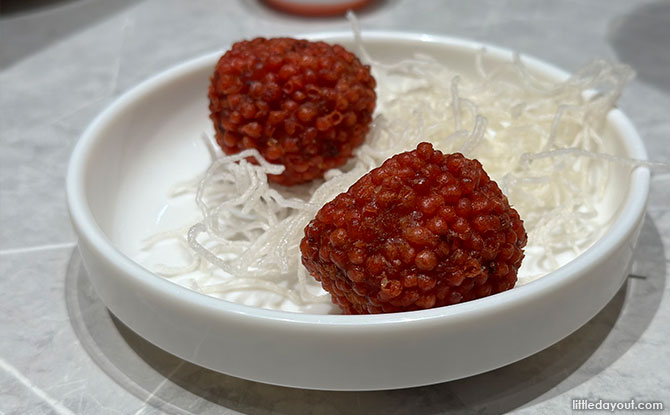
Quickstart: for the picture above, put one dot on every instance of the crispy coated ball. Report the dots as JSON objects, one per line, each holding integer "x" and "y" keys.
{"x": 302, "y": 104}
{"x": 424, "y": 230}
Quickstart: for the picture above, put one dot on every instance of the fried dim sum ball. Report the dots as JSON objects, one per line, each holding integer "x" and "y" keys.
{"x": 305, "y": 105}
{"x": 424, "y": 230}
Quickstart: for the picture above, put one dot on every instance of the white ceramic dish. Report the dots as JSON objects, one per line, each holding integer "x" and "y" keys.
{"x": 149, "y": 139}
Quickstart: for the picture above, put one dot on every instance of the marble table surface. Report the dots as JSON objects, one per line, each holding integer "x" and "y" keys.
{"x": 61, "y": 351}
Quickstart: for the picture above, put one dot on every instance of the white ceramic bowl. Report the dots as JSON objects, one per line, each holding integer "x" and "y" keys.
{"x": 148, "y": 139}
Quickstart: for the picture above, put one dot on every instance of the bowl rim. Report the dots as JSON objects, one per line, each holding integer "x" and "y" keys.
{"x": 632, "y": 211}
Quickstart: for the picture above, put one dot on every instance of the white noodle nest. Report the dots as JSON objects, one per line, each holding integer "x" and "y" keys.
{"x": 539, "y": 140}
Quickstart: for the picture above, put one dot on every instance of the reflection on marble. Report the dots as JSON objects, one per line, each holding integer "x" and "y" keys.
{"x": 43, "y": 368}
{"x": 40, "y": 23}
{"x": 42, "y": 117}
{"x": 642, "y": 39}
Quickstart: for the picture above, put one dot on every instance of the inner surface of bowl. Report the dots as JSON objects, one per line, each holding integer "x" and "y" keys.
{"x": 165, "y": 147}
{"x": 151, "y": 139}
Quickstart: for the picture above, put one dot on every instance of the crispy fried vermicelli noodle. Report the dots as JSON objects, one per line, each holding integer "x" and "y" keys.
{"x": 539, "y": 140}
